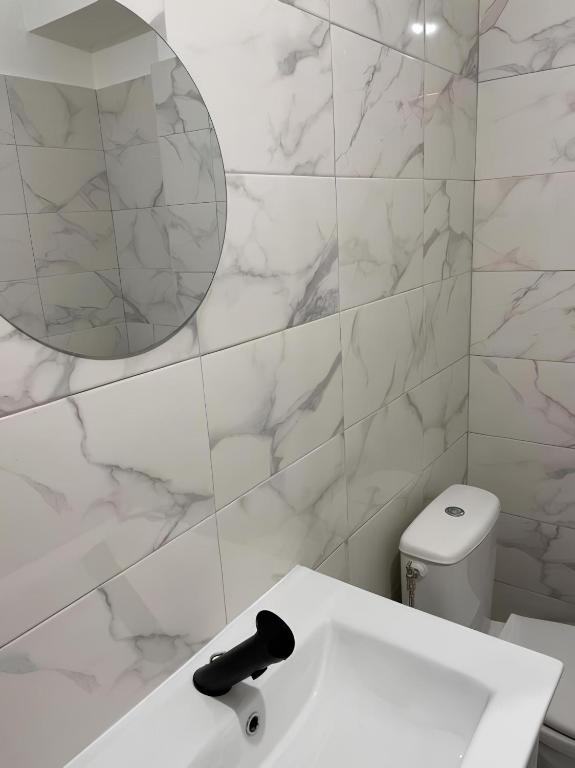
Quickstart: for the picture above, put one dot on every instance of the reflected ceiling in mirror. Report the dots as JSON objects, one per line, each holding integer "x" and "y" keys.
{"x": 112, "y": 200}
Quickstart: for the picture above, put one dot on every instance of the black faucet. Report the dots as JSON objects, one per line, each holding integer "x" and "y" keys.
{"x": 272, "y": 642}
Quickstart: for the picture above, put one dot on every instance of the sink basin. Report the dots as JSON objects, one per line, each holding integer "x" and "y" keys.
{"x": 371, "y": 683}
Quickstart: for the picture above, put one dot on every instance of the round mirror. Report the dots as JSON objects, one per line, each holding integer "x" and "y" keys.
{"x": 112, "y": 188}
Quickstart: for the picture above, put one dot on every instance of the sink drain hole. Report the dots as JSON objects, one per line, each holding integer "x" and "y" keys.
{"x": 253, "y": 723}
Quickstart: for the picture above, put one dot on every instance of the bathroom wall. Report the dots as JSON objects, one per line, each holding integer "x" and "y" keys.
{"x": 146, "y": 502}
{"x": 522, "y": 366}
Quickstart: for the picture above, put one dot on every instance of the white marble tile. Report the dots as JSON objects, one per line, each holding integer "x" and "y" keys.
{"x": 523, "y": 399}
{"x": 20, "y": 304}
{"x": 279, "y": 265}
{"x": 524, "y": 314}
{"x": 382, "y": 352}
{"x": 531, "y": 480}
{"x": 127, "y": 113}
{"x": 442, "y": 405}
{"x": 380, "y": 230}
{"x": 11, "y": 194}
{"x": 102, "y": 486}
{"x": 299, "y": 516}
{"x": 521, "y": 36}
{"x": 16, "y": 256}
{"x": 218, "y": 169}
{"x": 81, "y": 300}
{"x": 397, "y": 23}
{"x": 178, "y": 103}
{"x": 317, "y": 7}
{"x": 150, "y": 295}
{"x": 451, "y": 32}
{"x": 449, "y": 125}
{"x": 64, "y": 179}
{"x": 142, "y": 238}
{"x": 135, "y": 176}
{"x": 449, "y": 469}
{"x": 73, "y": 242}
{"x": 508, "y": 600}
{"x": 448, "y": 229}
{"x": 187, "y": 168}
{"x": 446, "y": 322}
{"x": 523, "y": 223}
{"x": 377, "y": 108}
{"x": 336, "y": 566}
{"x": 47, "y": 114}
{"x": 374, "y": 561}
{"x": 6, "y": 127}
{"x": 32, "y": 374}
{"x": 526, "y": 125}
{"x": 271, "y": 65}
{"x": 193, "y": 235}
{"x": 102, "y": 342}
{"x": 191, "y": 287}
{"x": 536, "y": 556}
{"x": 81, "y": 671}
{"x": 383, "y": 455}
{"x": 282, "y": 401}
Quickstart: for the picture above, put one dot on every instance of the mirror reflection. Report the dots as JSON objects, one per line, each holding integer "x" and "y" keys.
{"x": 112, "y": 201}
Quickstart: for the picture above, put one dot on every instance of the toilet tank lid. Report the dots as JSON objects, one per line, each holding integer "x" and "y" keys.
{"x": 442, "y": 534}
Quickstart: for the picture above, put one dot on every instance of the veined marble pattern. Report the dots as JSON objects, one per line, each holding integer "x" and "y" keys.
{"x": 449, "y": 125}
{"x": 508, "y": 600}
{"x": 442, "y": 405}
{"x": 446, "y": 322}
{"x": 135, "y": 175}
{"x": 188, "y": 168}
{"x": 191, "y": 287}
{"x": 53, "y": 115}
{"x": 142, "y": 238}
{"x": 63, "y": 179}
{"x": 6, "y": 127}
{"x": 536, "y": 556}
{"x": 279, "y": 266}
{"x": 531, "y": 480}
{"x": 299, "y": 516}
{"x": 383, "y": 455}
{"x": 449, "y": 469}
{"x": 380, "y": 228}
{"x": 397, "y": 23}
{"x": 374, "y": 561}
{"x": 536, "y": 108}
{"x": 525, "y": 223}
{"x": 382, "y": 352}
{"x": 101, "y": 484}
{"x": 127, "y": 113}
{"x": 11, "y": 194}
{"x": 73, "y": 242}
{"x": 283, "y": 400}
{"x": 448, "y": 229}
{"x": 451, "y": 35}
{"x": 81, "y": 671}
{"x": 16, "y": 256}
{"x": 193, "y": 235}
{"x": 102, "y": 341}
{"x": 523, "y": 399}
{"x": 524, "y": 314}
{"x": 33, "y": 374}
{"x": 271, "y": 64}
{"x": 520, "y": 36}
{"x": 377, "y": 108}
{"x": 20, "y": 304}
{"x": 150, "y": 295}
{"x": 178, "y": 103}
{"x": 81, "y": 300}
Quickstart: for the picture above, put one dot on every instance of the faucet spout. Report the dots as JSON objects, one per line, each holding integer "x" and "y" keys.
{"x": 272, "y": 642}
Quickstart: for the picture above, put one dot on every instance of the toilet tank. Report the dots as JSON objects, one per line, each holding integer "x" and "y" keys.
{"x": 452, "y": 545}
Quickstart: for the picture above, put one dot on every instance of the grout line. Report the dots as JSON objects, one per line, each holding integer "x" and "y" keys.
{"x": 522, "y": 440}
{"x": 519, "y": 359}
{"x": 526, "y": 74}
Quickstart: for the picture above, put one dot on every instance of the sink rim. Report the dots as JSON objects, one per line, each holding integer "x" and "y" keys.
{"x": 520, "y": 682}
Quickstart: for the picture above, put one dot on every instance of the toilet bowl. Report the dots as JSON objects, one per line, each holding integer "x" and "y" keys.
{"x": 450, "y": 547}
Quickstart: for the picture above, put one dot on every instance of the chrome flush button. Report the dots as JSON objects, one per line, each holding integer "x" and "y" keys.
{"x": 454, "y": 511}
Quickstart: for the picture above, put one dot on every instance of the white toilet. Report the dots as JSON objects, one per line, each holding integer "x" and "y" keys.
{"x": 451, "y": 546}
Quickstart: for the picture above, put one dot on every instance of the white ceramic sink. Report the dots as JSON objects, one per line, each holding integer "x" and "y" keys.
{"x": 371, "y": 683}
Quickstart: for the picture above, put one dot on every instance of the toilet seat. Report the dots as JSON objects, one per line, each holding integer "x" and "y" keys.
{"x": 557, "y": 640}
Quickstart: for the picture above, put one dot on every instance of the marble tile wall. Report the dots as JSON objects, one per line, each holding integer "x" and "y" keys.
{"x": 318, "y": 400}
{"x": 521, "y": 417}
